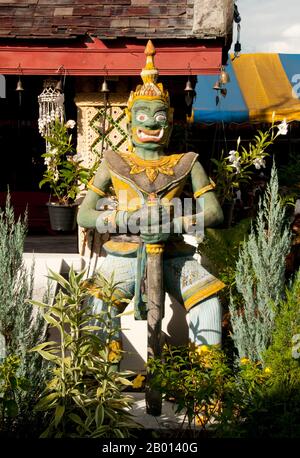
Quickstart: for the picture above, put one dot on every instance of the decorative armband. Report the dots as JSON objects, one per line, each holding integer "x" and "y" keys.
{"x": 96, "y": 190}
{"x": 205, "y": 189}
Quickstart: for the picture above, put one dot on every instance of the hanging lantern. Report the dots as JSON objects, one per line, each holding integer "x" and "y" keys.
{"x": 51, "y": 106}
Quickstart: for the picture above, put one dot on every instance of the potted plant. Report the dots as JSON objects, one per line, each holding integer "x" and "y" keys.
{"x": 64, "y": 175}
{"x": 238, "y": 166}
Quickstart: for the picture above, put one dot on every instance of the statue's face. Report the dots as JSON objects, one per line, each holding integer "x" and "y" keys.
{"x": 150, "y": 127}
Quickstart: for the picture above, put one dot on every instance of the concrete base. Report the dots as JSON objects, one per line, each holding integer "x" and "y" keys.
{"x": 168, "y": 425}
{"x": 168, "y": 420}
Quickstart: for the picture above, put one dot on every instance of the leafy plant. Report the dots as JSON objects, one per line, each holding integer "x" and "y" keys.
{"x": 214, "y": 397}
{"x": 64, "y": 173}
{"x": 10, "y": 384}
{"x": 237, "y": 167}
{"x": 194, "y": 378}
{"x": 273, "y": 408}
{"x": 282, "y": 357}
{"x": 84, "y": 396}
{"x": 260, "y": 276}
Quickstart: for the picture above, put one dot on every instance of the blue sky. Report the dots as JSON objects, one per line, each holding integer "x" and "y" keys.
{"x": 270, "y": 25}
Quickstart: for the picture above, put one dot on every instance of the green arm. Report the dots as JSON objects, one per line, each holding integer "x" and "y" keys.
{"x": 87, "y": 215}
{"x": 213, "y": 214}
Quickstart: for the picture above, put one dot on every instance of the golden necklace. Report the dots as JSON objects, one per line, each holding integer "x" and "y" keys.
{"x": 152, "y": 167}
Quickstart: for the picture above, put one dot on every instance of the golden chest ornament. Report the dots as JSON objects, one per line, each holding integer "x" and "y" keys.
{"x": 152, "y": 168}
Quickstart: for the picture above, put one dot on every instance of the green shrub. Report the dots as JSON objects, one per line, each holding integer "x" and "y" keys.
{"x": 260, "y": 276}
{"x": 84, "y": 396}
{"x": 282, "y": 358}
{"x": 215, "y": 398}
{"x": 10, "y": 386}
{"x": 21, "y": 326}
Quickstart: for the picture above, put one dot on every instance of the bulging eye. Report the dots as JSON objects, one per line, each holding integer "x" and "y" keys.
{"x": 141, "y": 117}
{"x": 160, "y": 117}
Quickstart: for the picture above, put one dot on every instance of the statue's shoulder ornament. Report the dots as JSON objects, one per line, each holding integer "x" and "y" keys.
{"x": 151, "y": 175}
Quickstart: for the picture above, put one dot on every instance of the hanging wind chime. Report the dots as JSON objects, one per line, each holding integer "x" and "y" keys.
{"x": 51, "y": 106}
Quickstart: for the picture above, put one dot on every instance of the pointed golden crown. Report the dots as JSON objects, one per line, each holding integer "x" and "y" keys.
{"x": 150, "y": 90}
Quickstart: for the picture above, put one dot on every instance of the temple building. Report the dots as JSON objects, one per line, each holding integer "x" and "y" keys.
{"x": 80, "y": 44}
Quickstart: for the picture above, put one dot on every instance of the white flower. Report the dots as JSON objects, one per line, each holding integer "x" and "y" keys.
{"x": 233, "y": 155}
{"x": 237, "y": 167}
{"x": 282, "y": 128}
{"x": 70, "y": 124}
{"x": 56, "y": 176}
{"x": 236, "y": 163}
{"x": 53, "y": 151}
{"x": 47, "y": 161}
{"x": 235, "y": 160}
{"x": 259, "y": 162}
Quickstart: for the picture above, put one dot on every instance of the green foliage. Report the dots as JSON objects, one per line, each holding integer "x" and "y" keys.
{"x": 237, "y": 167}
{"x": 220, "y": 250}
{"x": 260, "y": 276}
{"x": 21, "y": 327}
{"x": 279, "y": 355}
{"x": 64, "y": 173}
{"x": 211, "y": 394}
{"x": 193, "y": 379}
{"x": 10, "y": 384}
{"x": 83, "y": 397}
{"x": 282, "y": 357}
{"x": 273, "y": 410}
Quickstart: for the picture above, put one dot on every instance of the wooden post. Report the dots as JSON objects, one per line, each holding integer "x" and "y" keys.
{"x": 155, "y": 300}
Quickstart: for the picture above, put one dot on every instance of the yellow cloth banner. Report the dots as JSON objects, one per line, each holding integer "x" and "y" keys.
{"x": 266, "y": 88}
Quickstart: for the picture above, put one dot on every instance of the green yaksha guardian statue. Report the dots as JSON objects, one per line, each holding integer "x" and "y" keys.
{"x": 146, "y": 179}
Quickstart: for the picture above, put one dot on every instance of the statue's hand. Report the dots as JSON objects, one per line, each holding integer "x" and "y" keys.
{"x": 159, "y": 237}
{"x": 158, "y": 233}
{"x": 152, "y": 221}
{"x": 154, "y": 215}
{"x": 155, "y": 223}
